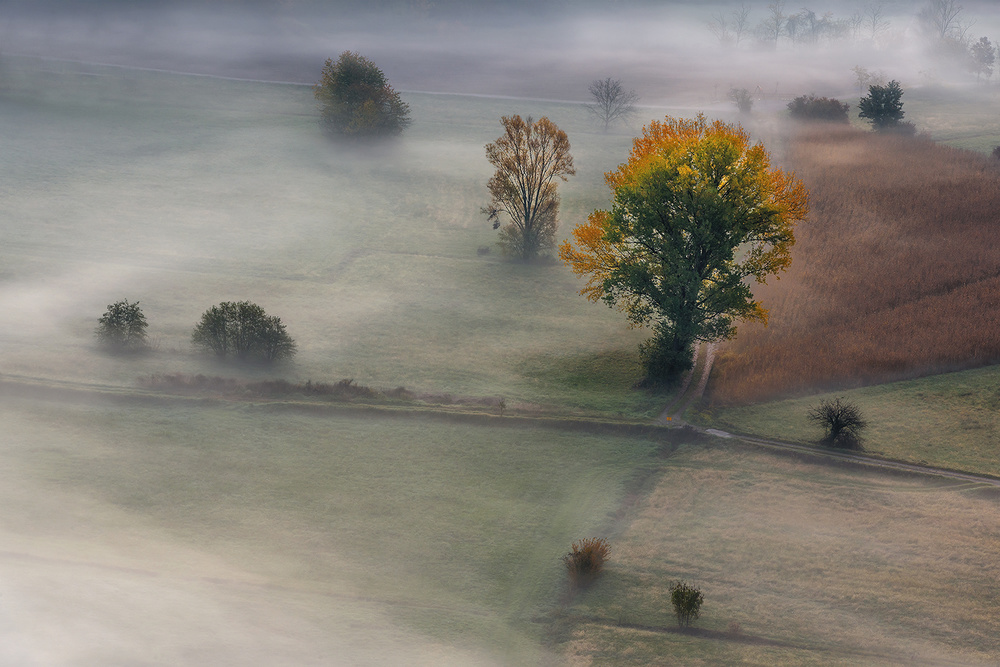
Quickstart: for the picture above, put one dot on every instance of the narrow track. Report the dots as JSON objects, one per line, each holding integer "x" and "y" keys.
{"x": 17, "y": 388}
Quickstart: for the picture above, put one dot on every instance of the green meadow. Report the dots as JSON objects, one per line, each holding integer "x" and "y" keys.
{"x": 144, "y": 528}
{"x": 182, "y": 192}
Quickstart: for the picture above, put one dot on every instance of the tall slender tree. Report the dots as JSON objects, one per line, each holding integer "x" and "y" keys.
{"x": 611, "y": 101}
{"x": 529, "y": 158}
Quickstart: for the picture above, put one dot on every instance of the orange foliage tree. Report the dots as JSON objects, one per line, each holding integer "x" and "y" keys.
{"x": 696, "y": 211}
{"x": 528, "y": 157}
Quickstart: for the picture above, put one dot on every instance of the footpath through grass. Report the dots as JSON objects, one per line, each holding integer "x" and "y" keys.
{"x": 949, "y": 420}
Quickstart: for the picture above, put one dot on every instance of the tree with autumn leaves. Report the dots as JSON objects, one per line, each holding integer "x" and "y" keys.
{"x": 696, "y": 212}
{"x": 528, "y": 157}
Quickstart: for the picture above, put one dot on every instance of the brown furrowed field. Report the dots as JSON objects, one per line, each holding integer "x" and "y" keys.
{"x": 895, "y": 274}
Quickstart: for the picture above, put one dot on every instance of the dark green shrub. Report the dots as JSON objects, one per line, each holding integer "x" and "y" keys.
{"x": 585, "y": 562}
{"x": 356, "y": 99}
{"x": 122, "y": 328}
{"x": 841, "y": 420}
{"x": 883, "y": 106}
{"x": 686, "y": 601}
{"x": 244, "y": 331}
{"x": 818, "y": 108}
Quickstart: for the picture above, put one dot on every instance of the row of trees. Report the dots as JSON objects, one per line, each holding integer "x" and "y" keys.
{"x": 939, "y": 19}
{"x": 942, "y": 22}
{"x": 803, "y": 27}
{"x": 236, "y": 329}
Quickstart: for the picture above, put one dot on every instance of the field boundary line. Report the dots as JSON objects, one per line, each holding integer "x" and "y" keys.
{"x": 26, "y": 389}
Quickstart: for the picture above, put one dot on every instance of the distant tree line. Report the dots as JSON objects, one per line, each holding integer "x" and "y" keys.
{"x": 942, "y": 22}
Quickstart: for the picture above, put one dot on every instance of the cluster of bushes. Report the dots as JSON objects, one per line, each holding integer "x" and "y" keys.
{"x": 810, "y": 107}
{"x": 241, "y": 330}
{"x": 585, "y": 562}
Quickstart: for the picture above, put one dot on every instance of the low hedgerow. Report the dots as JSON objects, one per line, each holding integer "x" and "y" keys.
{"x": 818, "y": 108}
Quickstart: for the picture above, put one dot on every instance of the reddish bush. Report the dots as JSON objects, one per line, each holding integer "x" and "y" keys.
{"x": 586, "y": 561}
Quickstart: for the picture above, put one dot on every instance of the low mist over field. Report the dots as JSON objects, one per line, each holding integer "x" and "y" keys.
{"x": 403, "y": 489}
{"x": 670, "y": 51}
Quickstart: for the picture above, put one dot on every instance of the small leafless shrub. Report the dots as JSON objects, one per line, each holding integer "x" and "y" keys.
{"x": 842, "y": 422}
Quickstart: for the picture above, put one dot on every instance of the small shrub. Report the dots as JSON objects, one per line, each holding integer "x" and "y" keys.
{"x": 483, "y": 250}
{"x": 996, "y": 152}
{"x": 818, "y": 108}
{"x": 742, "y": 98}
{"x": 686, "y": 601}
{"x": 122, "y": 328}
{"x": 842, "y": 421}
{"x": 585, "y": 562}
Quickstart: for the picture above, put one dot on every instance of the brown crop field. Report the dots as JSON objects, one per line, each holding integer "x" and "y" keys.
{"x": 895, "y": 274}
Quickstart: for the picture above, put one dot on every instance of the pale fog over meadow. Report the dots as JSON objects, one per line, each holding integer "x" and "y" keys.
{"x": 171, "y": 153}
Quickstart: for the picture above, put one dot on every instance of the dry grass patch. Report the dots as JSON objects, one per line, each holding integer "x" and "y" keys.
{"x": 895, "y": 274}
{"x": 817, "y": 565}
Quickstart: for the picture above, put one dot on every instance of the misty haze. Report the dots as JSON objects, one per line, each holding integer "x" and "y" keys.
{"x": 290, "y": 374}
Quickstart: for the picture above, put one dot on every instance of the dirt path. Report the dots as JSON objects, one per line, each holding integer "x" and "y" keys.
{"x": 686, "y": 397}
{"x": 21, "y": 388}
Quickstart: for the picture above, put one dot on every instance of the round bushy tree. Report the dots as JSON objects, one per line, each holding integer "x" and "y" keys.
{"x": 356, "y": 100}
{"x": 122, "y": 328}
{"x": 883, "y": 106}
{"x": 243, "y": 330}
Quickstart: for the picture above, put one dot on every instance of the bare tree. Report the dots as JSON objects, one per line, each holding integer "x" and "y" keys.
{"x": 528, "y": 157}
{"x": 611, "y": 101}
{"x": 874, "y": 21}
{"x": 941, "y": 19}
{"x": 740, "y": 23}
{"x": 772, "y": 26}
{"x": 855, "y": 21}
{"x": 719, "y": 25}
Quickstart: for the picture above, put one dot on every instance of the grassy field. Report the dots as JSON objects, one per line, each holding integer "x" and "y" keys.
{"x": 948, "y": 420}
{"x": 182, "y": 192}
{"x": 206, "y": 532}
{"x": 238, "y": 534}
{"x": 799, "y": 564}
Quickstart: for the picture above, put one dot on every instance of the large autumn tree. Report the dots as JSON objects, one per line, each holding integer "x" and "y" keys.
{"x": 528, "y": 157}
{"x": 696, "y": 212}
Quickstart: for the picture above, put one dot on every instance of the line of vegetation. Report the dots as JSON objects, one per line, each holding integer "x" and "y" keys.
{"x": 343, "y": 390}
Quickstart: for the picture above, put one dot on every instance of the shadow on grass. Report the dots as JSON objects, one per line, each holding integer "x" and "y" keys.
{"x": 738, "y": 638}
